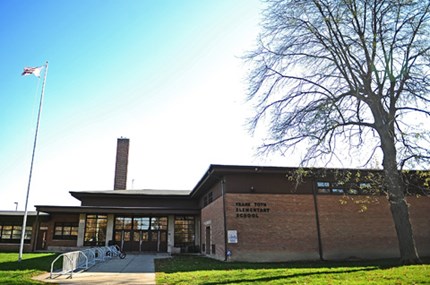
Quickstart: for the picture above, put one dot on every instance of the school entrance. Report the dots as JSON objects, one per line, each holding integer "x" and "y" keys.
{"x": 141, "y": 233}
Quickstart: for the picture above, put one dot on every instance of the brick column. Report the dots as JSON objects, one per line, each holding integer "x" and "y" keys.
{"x": 121, "y": 164}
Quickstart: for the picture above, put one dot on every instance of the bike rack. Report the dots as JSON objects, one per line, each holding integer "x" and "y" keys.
{"x": 83, "y": 259}
{"x": 72, "y": 261}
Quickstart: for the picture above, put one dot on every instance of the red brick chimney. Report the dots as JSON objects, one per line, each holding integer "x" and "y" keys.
{"x": 121, "y": 164}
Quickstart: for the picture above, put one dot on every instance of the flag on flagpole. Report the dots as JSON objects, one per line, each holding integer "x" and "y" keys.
{"x": 32, "y": 70}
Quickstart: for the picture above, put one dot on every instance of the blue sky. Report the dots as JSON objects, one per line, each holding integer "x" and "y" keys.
{"x": 166, "y": 74}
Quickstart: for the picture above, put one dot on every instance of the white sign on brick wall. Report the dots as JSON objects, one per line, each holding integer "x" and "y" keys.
{"x": 232, "y": 236}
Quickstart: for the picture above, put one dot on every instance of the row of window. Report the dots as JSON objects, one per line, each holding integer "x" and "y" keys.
{"x": 66, "y": 231}
{"x": 12, "y": 234}
{"x": 132, "y": 229}
{"x": 141, "y": 223}
{"x": 363, "y": 188}
{"x": 95, "y": 230}
{"x": 140, "y": 229}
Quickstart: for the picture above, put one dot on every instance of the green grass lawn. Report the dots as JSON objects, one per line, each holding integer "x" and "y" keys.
{"x": 199, "y": 270}
{"x": 32, "y": 264}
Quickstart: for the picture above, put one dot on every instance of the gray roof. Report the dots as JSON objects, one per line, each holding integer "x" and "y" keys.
{"x": 149, "y": 192}
{"x": 19, "y": 213}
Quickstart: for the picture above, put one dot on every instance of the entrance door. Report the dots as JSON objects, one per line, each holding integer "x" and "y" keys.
{"x": 41, "y": 240}
{"x": 208, "y": 240}
{"x": 140, "y": 234}
{"x": 154, "y": 240}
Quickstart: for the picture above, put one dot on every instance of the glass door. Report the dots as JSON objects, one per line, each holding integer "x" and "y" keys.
{"x": 141, "y": 234}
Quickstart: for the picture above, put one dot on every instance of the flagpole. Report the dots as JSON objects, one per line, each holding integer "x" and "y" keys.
{"x": 24, "y": 222}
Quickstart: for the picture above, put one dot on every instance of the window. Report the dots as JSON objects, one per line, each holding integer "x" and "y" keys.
{"x": 159, "y": 223}
{"x": 337, "y": 191}
{"x": 95, "y": 230}
{"x": 323, "y": 184}
{"x": 141, "y": 223}
{"x": 66, "y": 231}
{"x": 184, "y": 231}
{"x": 207, "y": 199}
{"x": 123, "y": 223}
{"x": 12, "y": 234}
{"x": 323, "y": 187}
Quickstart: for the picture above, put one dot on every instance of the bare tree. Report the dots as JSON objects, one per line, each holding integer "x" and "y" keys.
{"x": 327, "y": 73}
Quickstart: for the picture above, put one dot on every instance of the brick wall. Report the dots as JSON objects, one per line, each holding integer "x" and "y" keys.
{"x": 419, "y": 209}
{"x": 282, "y": 227}
{"x": 350, "y": 231}
{"x": 14, "y": 247}
{"x": 212, "y": 216}
{"x": 276, "y": 228}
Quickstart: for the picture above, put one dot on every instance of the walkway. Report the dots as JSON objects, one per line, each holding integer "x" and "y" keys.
{"x": 135, "y": 269}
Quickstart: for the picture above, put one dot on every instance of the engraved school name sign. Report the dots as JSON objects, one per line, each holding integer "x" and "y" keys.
{"x": 251, "y": 210}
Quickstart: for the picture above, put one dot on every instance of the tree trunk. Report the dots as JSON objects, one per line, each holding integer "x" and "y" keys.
{"x": 398, "y": 205}
{"x": 400, "y": 213}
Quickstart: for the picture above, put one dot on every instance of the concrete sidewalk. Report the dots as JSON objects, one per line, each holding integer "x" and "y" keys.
{"x": 135, "y": 269}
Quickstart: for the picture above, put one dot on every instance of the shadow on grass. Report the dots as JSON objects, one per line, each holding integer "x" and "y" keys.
{"x": 290, "y": 276}
{"x": 198, "y": 263}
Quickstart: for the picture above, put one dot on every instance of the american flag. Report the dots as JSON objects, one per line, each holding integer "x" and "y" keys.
{"x": 32, "y": 70}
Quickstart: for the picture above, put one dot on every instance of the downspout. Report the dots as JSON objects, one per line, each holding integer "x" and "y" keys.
{"x": 317, "y": 219}
{"x": 224, "y": 218}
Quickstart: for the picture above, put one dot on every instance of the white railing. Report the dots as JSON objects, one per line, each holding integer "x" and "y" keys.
{"x": 83, "y": 259}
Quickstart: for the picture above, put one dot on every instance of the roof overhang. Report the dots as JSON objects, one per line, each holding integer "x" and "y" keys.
{"x": 150, "y": 193}
{"x": 21, "y": 213}
{"x": 117, "y": 210}
{"x": 216, "y": 173}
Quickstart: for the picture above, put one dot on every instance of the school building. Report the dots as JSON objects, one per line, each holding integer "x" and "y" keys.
{"x": 234, "y": 213}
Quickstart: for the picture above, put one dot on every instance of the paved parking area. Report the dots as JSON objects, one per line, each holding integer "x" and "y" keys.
{"x": 135, "y": 269}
